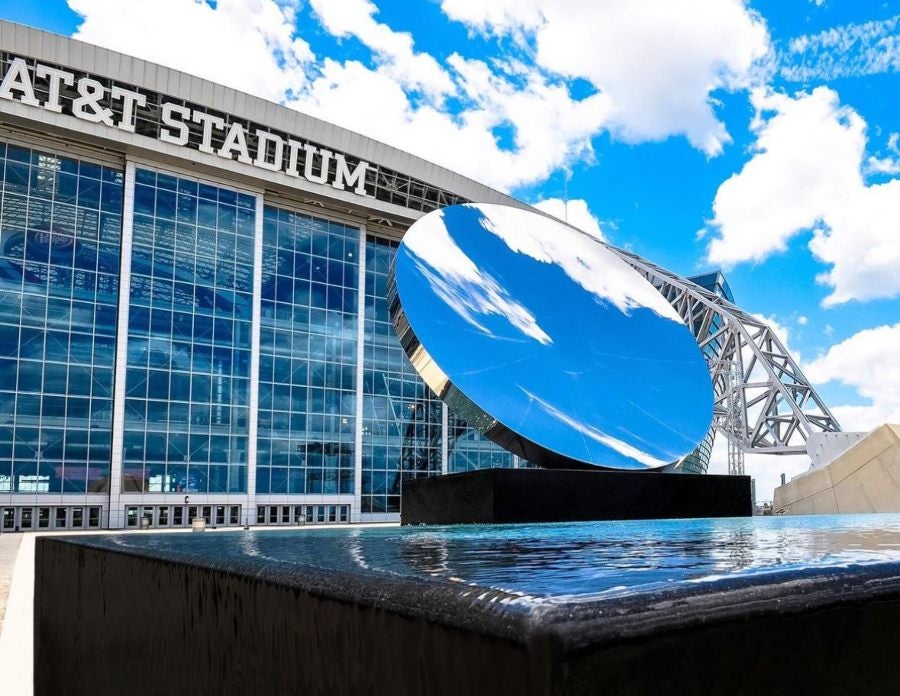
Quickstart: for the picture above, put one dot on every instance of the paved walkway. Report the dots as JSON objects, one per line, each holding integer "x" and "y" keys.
{"x": 16, "y": 646}
{"x": 9, "y": 549}
{"x": 17, "y": 574}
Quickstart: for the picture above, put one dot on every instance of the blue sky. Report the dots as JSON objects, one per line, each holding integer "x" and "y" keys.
{"x": 760, "y": 137}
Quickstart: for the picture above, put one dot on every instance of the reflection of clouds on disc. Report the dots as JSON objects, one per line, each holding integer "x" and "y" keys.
{"x": 587, "y": 430}
{"x": 456, "y": 279}
{"x": 547, "y": 341}
{"x": 584, "y": 259}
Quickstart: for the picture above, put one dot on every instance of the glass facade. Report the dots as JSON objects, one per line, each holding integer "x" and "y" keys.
{"x": 188, "y": 367}
{"x": 187, "y": 357}
{"x": 308, "y": 346}
{"x": 60, "y": 226}
{"x": 401, "y": 417}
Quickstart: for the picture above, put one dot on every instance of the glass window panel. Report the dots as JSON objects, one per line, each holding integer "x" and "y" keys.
{"x": 287, "y": 404}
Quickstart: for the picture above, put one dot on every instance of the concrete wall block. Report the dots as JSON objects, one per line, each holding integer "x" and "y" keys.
{"x": 864, "y": 451}
{"x": 824, "y": 502}
{"x": 880, "y": 487}
{"x": 851, "y": 496}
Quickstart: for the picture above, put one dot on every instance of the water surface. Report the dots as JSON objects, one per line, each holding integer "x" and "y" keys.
{"x": 561, "y": 562}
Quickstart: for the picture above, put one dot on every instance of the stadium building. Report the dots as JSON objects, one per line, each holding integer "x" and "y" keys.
{"x": 193, "y": 312}
{"x": 193, "y": 317}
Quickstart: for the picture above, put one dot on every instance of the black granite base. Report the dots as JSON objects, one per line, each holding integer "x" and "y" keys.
{"x": 554, "y": 495}
{"x": 109, "y": 620}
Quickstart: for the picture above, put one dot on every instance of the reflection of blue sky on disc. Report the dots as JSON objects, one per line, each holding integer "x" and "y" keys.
{"x": 554, "y": 336}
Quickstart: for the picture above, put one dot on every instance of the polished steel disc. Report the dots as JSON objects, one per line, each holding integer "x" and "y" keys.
{"x": 545, "y": 341}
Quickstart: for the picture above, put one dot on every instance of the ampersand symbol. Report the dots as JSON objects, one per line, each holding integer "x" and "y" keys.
{"x": 87, "y": 106}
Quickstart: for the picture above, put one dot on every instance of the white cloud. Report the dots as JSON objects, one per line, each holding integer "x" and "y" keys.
{"x": 505, "y": 122}
{"x": 246, "y": 44}
{"x": 883, "y": 165}
{"x": 852, "y": 50}
{"x": 575, "y": 212}
{"x": 806, "y": 174}
{"x": 807, "y": 152}
{"x": 802, "y": 320}
{"x": 869, "y": 362}
{"x": 394, "y": 49}
{"x": 890, "y": 163}
{"x": 511, "y": 124}
{"x": 658, "y": 63}
{"x": 550, "y": 128}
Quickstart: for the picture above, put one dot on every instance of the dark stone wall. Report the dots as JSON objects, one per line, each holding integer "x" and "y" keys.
{"x": 110, "y": 623}
{"x": 553, "y": 495}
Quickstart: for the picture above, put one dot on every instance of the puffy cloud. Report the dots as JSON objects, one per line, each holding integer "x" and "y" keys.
{"x": 806, "y": 173}
{"x": 394, "y": 49}
{"x": 575, "y": 212}
{"x": 869, "y": 362}
{"x": 549, "y": 128}
{"x": 658, "y": 63}
{"x": 890, "y": 162}
{"x": 246, "y": 44}
{"x": 511, "y": 124}
{"x": 806, "y": 154}
{"x": 505, "y": 122}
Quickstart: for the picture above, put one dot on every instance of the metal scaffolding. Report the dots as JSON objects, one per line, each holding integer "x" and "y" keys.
{"x": 762, "y": 400}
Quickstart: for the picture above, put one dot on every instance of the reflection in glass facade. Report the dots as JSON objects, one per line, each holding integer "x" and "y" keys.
{"x": 60, "y": 222}
{"x": 469, "y": 450}
{"x": 401, "y": 417}
{"x": 190, "y": 312}
{"x": 308, "y": 343}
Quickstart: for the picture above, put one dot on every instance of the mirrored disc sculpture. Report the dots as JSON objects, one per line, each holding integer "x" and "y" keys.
{"x": 545, "y": 341}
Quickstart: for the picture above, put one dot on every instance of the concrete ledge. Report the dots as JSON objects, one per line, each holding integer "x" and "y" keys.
{"x": 864, "y": 478}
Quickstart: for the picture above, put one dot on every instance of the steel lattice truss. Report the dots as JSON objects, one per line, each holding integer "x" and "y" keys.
{"x": 763, "y": 402}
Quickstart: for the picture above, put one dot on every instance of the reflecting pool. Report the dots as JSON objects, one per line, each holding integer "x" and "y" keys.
{"x": 552, "y": 562}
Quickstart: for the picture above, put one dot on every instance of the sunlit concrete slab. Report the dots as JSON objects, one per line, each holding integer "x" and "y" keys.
{"x": 863, "y": 478}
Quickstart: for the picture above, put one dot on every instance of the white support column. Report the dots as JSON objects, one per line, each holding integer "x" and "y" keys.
{"x": 356, "y": 511}
{"x": 445, "y": 437}
{"x": 253, "y": 402}
{"x": 116, "y": 514}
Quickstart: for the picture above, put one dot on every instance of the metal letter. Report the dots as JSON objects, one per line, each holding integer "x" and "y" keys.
{"x": 262, "y": 151}
{"x": 129, "y": 99}
{"x": 17, "y": 78}
{"x": 87, "y": 106}
{"x": 236, "y": 139}
{"x": 168, "y": 109}
{"x": 54, "y": 77}
{"x": 343, "y": 177}
{"x": 207, "y": 121}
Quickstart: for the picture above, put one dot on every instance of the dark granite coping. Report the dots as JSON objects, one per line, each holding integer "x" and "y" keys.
{"x": 574, "y": 624}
